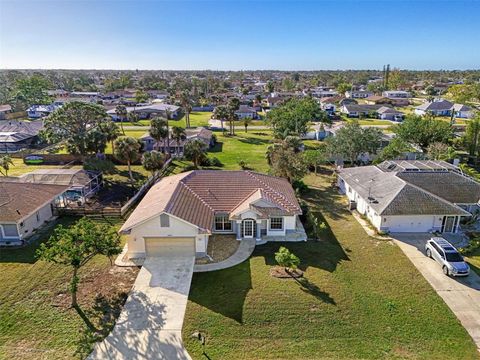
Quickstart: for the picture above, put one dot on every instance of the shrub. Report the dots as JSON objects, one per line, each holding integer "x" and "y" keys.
{"x": 316, "y": 226}
{"x": 215, "y": 162}
{"x": 473, "y": 245}
{"x": 95, "y": 164}
{"x": 286, "y": 259}
{"x": 300, "y": 187}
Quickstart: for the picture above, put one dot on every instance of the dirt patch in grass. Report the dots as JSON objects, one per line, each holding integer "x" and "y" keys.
{"x": 220, "y": 247}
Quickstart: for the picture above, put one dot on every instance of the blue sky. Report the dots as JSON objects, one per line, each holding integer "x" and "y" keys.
{"x": 236, "y": 35}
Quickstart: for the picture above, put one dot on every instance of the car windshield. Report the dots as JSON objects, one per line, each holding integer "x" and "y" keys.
{"x": 454, "y": 257}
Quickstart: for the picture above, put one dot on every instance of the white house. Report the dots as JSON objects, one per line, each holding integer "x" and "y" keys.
{"x": 146, "y": 111}
{"x": 358, "y": 94}
{"x": 411, "y": 196}
{"x": 24, "y": 208}
{"x": 246, "y": 112}
{"x": 181, "y": 212}
{"x": 39, "y": 111}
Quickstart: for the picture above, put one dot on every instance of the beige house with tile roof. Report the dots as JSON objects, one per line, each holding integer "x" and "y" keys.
{"x": 180, "y": 212}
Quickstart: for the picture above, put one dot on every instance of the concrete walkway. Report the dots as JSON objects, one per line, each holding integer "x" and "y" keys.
{"x": 462, "y": 295}
{"x": 150, "y": 324}
{"x": 245, "y": 249}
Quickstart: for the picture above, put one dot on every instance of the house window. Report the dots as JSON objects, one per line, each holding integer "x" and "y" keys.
{"x": 164, "y": 220}
{"x": 222, "y": 223}
{"x": 276, "y": 223}
{"x": 9, "y": 230}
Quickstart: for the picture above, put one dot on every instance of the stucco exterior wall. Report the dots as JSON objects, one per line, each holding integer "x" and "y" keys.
{"x": 31, "y": 223}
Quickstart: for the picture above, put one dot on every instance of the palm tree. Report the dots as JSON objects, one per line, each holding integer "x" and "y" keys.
{"x": 221, "y": 113}
{"x": 5, "y": 162}
{"x": 127, "y": 149}
{"x": 111, "y": 132}
{"x": 178, "y": 134}
{"x": 122, "y": 113}
{"x": 195, "y": 151}
{"x": 232, "y": 117}
{"x": 185, "y": 101}
{"x": 246, "y": 122}
{"x": 159, "y": 131}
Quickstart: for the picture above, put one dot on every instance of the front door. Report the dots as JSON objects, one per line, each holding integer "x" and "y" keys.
{"x": 449, "y": 226}
{"x": 248, "y": 228}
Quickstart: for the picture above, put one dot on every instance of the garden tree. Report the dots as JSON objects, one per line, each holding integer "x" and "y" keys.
{"x": 440, "y": 151}
{"x": 464, "y": 93}
{"x": 127, "y": 149}
{"x": 195, "y": 151}
{"x": 97, "y": 141}
{"x": 133, "y": 117}
{"x": 424, "y": 131}
{"x": 317, "y": 227}
{"x": 246, "y": 121}
{"x": 221, "y": 113}
{"x": 186, "y": 103}
{"x": 159, "y": 131}
{"x": 396, "y": 79}
{"x": 286, "y": 259}
{"x": 352, "y": 140}
{"x": 234, "y": 103}
{"x": 430, "y": 90}
{"x": 375, "y": 87}
{"x": 30, "y": 91}
{"x": 395, "y": 149}
{"x": 232, "y": 117}
{"x": 472, "y": 135}
{"x": 111, "y": 132}
{"x": 203, "y": 102}
{"x": 286, "y": 160}
{"x": 75, "y": 123}
{"x": 5, "y": 163}
{"x": 153, "y": 161}
{"x": 76, "y": 245}
{"x": 315, "y": 158}
{"x": 178, "y": 134}
{"x": 121, "y": 112}
{"x": 270, "y": 86}
{"x": 293, "y": 117}
{"x": 288, "y": 84}
{"x": 140, "y": 96}
{"x": 343, "y": 87}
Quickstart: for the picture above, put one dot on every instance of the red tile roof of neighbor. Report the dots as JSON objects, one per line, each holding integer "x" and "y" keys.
{"x": 196, "y": 196}
{"x": 18, "y": 200}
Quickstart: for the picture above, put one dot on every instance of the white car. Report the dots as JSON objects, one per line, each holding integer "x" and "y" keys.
{"x": 449, "y": 258}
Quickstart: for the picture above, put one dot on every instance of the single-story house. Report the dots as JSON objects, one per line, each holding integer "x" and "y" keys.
{"x": 25, "y": 208}
{"x": 441, "y": 107}
{"x": 411, "y": 196}
{"x": 359, "y": 110}
{"x": 358, "y": 94}
{"x": 39, "y": 111}
{"x": 388, "y": 113}
{"x": 181, "y": 212}
{"x": 4, "y": 110}
{"x": 16, "y": 135}
{"x": 376, "y": 100}
{"x": 246, "y": 112}
{"x": 177, "y": 149}
{"x": 145, "y": 112}
{"x": 395, "y": 94}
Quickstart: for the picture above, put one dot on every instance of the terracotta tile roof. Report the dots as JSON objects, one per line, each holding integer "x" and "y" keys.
{"x": 18, "y": 200}
{"x": 197, "y": 195}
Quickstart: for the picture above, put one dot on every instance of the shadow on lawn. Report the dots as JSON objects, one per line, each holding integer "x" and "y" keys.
{"x": 218, "y": 147}
{"x": 253, "y": 141}
{"x": 223, "y": 292}
{"x": 327, "y": 201}
{"x": 314, "y": 290}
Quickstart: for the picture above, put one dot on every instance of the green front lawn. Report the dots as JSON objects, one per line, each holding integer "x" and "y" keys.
{"x": 36, "y": 321}
{"x": 196, "y": 119}
{"x": 359, "y": 298}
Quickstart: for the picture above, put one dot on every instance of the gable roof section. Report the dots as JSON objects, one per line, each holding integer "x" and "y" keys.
{"x": 196, "y": 196}
{"x": 18, "y": 200}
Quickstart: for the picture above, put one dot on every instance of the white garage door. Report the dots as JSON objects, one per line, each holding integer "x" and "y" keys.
{"x": 167, "y": 246}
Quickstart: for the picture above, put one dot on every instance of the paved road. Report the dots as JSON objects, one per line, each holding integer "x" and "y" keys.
{"x": 462, "y": 295}
{"x": 150, "y": 325}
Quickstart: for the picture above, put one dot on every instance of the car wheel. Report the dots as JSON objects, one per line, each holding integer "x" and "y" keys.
{"x": 429, "y": 253}
{"x": 445, "y": 270}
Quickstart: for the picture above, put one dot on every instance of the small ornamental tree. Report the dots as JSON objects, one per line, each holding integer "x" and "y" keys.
{"x": 5, "y": 162}
{"x": 153, "y": 161}
{"x": 286, "y": 259}
{"x": 76, "y": 245}
{"x": 127, "y": 149}
{"x": 195, "y": 151}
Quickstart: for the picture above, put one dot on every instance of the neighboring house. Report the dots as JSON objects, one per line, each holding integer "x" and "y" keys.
{"x": 181, "y": 212}
{"x": 357, "y": 110}
{"x": 273, "y": 102}
{"x": 396, "y": 94}
{"x": 80, "y": 184}
{"x": 177, "y": 149}
{"x": 378, "y": 100}
{"x": 16, "y": 135}
{"x": 4, "y": 110}
{"x": 147, "y": 111}
{"x": 39, "y": 111}
{"x": 387, "y": 113}
{"x": 324, "y": 93}
{"x": 358, "y": 94}
{"x": 411, "y": 196}
{"x": 441, "y": 107}
{"x": 25, "y": 208}
{"x": 246, "y": 112}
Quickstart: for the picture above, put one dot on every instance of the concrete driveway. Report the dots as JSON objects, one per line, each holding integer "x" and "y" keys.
{"x": 150, "y": 324}
{"x": 462, "y": 295}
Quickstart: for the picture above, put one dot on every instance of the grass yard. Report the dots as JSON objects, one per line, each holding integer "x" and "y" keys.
{"x": 196, "y": 119}
{"x": 19, "y": 167}
{"x": 359, "y": 298}
{"x": 372, "y": 121}
{"x": 36, "y": 321}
